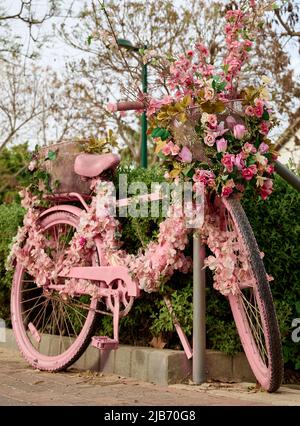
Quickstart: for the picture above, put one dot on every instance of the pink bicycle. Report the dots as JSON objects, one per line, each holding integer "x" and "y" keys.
{"x": 68, "y": 313}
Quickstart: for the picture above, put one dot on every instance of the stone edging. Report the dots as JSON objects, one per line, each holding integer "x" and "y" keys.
{"x": 160, "y": 366}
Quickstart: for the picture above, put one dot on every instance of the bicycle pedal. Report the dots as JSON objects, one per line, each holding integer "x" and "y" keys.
{"x": 104, "y": 342}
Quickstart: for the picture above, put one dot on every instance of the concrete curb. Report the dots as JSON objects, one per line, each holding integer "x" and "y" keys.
{"x": 157, "y": 366}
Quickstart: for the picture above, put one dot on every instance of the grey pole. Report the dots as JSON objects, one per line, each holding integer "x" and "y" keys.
{"x": 199, "y": 341}
{"x": 287, "y": 175}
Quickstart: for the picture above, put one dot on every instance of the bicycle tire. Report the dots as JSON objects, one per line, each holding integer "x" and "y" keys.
{"x": 268, "y": 371}
{"x": 35, "y": 357}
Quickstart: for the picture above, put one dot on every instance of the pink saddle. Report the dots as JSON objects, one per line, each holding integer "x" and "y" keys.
{"x": 91, "y": 165}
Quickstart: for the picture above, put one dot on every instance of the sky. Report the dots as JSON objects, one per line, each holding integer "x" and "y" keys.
{"x": 58, "y": 53}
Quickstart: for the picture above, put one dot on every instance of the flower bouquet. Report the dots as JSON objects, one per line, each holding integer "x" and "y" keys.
{"x": 210, "y": 127}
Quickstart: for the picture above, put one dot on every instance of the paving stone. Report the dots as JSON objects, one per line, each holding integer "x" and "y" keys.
{"x": 241, "y": 369}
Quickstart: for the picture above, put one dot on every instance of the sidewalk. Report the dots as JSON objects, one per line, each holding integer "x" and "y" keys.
{"x": 21, "y": 385}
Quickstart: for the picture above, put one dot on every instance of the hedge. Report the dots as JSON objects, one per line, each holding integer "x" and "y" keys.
{"x": 276, "y": 226}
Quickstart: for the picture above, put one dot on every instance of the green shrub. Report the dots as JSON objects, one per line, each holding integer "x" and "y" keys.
{"x": 11, "y": 216}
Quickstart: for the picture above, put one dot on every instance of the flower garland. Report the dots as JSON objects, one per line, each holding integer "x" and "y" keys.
{"x": 151, "y": 267}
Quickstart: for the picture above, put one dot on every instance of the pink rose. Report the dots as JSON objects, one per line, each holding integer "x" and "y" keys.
{"x": 249, "y": 172}
{"x": 221, "y": 145}
{"x": 266, "y": 189}
{"x": 208, "y": 93}
{"x": 264, "y": 128}
{"x": 185, "y": 155}
{"x": 212, "y": 120}
{"x": 167, "y": 148}
{"x": 250, "y": 111}
{"x": 175, "y": 149}
{"x": 263, "y": 148}
{"x": 82, "y": 241}
{"x": 270, "y": 169}
{"x": 239, "y": 160}
{"x": 239, "y": 131}
{"x": 205, "y": 176}
{"x": 228, "y": 162}
{"x": 248, "y": 148}
{"x": 209, "y": 139}
{"x": 226, "y": 191}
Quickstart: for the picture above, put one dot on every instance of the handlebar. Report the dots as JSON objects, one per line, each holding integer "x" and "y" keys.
{"x": 127, "y": 106}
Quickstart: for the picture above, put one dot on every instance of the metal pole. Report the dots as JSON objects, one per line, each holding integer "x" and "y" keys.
{"x": 144, "y": 156}
{"x": 199, "y": 341}
{"x": 287, "y": 175}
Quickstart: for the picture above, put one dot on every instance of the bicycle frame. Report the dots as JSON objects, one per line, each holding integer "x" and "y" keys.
{"x": 106, "y": 275}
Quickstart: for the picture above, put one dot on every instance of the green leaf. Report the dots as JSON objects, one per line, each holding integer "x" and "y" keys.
{"x": 89, "y": 40}
{"x": 51, "y": 155}
{"x": 160, "y": 133}
{"x": 266, "y": 116}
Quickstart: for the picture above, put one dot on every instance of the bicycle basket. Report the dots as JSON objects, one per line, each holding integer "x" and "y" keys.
{"x": 61, "y": 169}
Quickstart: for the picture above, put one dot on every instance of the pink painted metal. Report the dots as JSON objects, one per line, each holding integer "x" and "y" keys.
{"x": 181, "y": 334}
{"x": 104, "y": 343}
{"x": 107, "y": 274}
{"x": 76, "y": 211}
{"x": 92, "y": 165}
{"x": 128, "y": 106}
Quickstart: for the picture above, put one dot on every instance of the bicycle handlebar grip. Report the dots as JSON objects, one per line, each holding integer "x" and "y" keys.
{"x": 127, "y": 106}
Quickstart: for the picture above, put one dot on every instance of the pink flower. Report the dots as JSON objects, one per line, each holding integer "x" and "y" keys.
{"x": 270, "y": 169}
{"x": 111, "y": 107}
{"x": 209, "y": 139}
{"x": 82, "y": 241}
{"x": 228, "y": 162}
{"x": 185, "y": 155}
{"x": 231, "y": 122}
{"x": 248, "y": 148}
{"x": 264, "y": 128}
{"x": 167, "y": 148}
{"x": 202, "y": 49}
{"x": 212, "y": 120}
{"x": 190, "y": 53}
{"x": 263, "y": 148}
{"x": 239, "y": 131}
{"x": 249, "y": 172}
{"x": 208, "y": 93}
{"x": 205, "y": 176}
{"x": 250, "y": 111}
{"x": 239, "y": 160}
{"x": 259, "y": 107}
{"x": 266, "y": 189}
{"x": 221, "y": 145}
{"x": 175, "y": 149}
{"x": 226, "y": 191}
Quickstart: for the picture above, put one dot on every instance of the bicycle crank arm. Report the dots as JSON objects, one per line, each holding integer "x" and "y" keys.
{"x": 108, "y": 274}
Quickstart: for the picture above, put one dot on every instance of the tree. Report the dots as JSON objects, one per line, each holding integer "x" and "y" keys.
{"x": 166, "y": 28}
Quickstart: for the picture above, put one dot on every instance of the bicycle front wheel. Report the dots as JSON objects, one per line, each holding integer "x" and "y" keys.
{"x": 253, "y": 308}
{"x": 52, "y": 331}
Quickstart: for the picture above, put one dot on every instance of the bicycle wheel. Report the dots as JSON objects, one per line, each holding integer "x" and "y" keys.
{"x": 52, "y": 332}
{"x": 253, "y": 308}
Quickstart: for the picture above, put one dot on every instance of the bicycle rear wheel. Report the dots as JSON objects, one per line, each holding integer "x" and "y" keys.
{"x": 51, "y": 331}
{"x": 253, "y": 308}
